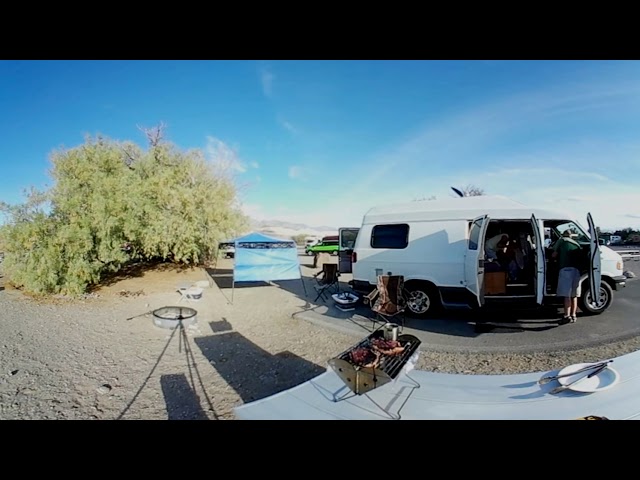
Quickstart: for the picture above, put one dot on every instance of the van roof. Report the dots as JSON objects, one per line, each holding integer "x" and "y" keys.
{"x": 463, "y": 208}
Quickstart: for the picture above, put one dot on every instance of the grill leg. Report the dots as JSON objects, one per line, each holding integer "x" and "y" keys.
{"x": 389, "y": 414}
{"x": 413, "y": 382}
{"x": 337, "y": 398}
{"x": 397, "y": 416}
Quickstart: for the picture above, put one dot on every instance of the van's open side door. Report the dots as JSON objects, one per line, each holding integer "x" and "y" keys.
{"x": 594, "y": 263}
{"x": 540, "y": 269}
{"x": 346, "y": 244}
{"x": 474, "y": 258}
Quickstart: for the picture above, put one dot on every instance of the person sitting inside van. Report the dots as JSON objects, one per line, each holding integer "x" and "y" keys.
{"x": 494, "y": 245}
{"x": 516, "y": 259}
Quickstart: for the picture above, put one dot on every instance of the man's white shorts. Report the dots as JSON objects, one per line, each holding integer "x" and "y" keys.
{"x": 568, "y": 280}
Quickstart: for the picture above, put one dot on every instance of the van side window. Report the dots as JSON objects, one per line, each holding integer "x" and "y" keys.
{"x": 390, "y": 236}
{"x": 474, "y": 234}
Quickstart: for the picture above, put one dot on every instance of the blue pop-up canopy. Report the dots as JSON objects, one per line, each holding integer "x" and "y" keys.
{"x": 260, "y": 258}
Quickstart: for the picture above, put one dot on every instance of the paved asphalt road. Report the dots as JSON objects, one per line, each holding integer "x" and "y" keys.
{"x": 515, "y": 331}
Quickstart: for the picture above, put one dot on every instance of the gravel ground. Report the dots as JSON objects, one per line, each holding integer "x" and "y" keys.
{"x": 85, "y": 360}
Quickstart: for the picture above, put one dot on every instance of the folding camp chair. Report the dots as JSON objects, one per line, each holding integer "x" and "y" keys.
{"x": 189, "y": 293}
{"x": 327, "y": 279}
{"x": 387, "y": 300}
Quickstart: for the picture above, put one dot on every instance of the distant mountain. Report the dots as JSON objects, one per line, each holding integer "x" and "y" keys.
{"x": 289, "y": 225}
{"x": 279, "y": 228}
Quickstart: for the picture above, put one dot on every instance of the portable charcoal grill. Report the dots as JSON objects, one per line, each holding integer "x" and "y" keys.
{"x": 361, "y": 380}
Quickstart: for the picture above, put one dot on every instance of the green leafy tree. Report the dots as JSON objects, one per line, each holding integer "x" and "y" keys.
{"x": 115, "y": 202}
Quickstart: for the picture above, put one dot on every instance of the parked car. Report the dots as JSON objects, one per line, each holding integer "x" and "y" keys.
{"x": 326, "y": 245}
{"x": 228, "y": 249}
{"x": 311, "y": 241}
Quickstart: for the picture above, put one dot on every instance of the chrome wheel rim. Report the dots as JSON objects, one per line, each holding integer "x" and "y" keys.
{"x": 418, "y": 302}
{"x": 604, "y": 295}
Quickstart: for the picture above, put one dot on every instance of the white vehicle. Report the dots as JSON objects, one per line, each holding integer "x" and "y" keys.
{"x": 439, "y": 248}
{"x": 227, "y": 249}
{"x": 310, "y": 242}
{"x": 615, "y": 239}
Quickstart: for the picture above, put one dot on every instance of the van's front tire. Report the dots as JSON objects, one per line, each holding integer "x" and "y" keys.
{"x": 585, "y": 301}
{"x": 423, "y": 299}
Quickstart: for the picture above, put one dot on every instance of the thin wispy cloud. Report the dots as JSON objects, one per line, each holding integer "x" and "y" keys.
{"x": 254, "y": 211}
{"x": 612, "y": 203}
{"x": 470, "y": 134}
{"x": 541, "y": 147}
{"x": 288, "y": 126}
{"x": 223, "y": 157}
{"x": 267, "y": 78}
{"x": 254, "y": 164}
{"x": 296, "y": 172}
{"x": 578, "y": 176}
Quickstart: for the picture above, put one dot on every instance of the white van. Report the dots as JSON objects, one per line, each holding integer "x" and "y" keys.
{"x": 438, "y": 246}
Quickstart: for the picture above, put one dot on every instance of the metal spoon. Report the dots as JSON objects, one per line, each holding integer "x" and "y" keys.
{"x": 545, "y": 380}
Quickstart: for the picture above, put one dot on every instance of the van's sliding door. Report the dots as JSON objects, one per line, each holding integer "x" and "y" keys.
{"x": 540, "y": 276}
{"x": 474, "y": 258}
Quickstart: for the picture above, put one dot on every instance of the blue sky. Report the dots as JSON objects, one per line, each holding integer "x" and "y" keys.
{"x": 320, "y": 142}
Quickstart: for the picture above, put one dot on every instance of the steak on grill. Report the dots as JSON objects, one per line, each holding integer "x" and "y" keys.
{"x": 387, "y": 347}
{"x": 364, "y": 357}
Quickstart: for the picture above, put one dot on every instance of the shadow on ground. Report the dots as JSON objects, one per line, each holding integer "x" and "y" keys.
{"x": 223, "y": 278}
{"x": 181, "y": 400}
{"x": 137, "y": 270}
{"x": 239, "y": 361}
{"x": 220, "y": 326}
{"x": 459, "y": 323}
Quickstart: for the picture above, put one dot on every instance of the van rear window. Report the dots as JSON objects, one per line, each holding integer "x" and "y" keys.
{"x": 390, "y": 236}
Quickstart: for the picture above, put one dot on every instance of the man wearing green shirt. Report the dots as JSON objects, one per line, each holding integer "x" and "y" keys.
{"x": 567, "y": 251}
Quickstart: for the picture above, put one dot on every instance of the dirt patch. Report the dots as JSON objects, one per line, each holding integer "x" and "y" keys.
{"x": 134, "y": 281}
{"x": 149, "y": 280}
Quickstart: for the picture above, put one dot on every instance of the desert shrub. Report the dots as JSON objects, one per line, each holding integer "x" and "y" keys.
{"x": 300, "y": 239}
{"x": 112, "y": 203}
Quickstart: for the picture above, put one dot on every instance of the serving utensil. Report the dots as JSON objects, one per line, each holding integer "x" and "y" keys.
{"x": 545, "y": 380}
{"x": 562, "y": 388}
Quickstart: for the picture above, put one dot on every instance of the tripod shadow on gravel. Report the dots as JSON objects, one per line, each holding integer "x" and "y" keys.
{"x": 182, "y": 402}
{"x": 250, "y": 370}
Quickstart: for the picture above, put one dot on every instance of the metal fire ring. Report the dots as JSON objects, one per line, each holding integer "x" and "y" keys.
{"x": 170, "y": 317}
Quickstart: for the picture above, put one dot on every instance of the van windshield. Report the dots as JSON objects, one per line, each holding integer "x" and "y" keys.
{"x": 577, "y": 233}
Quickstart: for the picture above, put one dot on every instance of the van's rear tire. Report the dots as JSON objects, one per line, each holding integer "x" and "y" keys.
{"x": 423, "y": 299}
{"x": 585, "y": 301}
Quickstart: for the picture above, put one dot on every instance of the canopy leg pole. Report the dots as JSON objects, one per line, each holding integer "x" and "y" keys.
{"x": 302, "y": 280}
{"x": 215, "y": 262}
{"x": 233, "y": 288}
